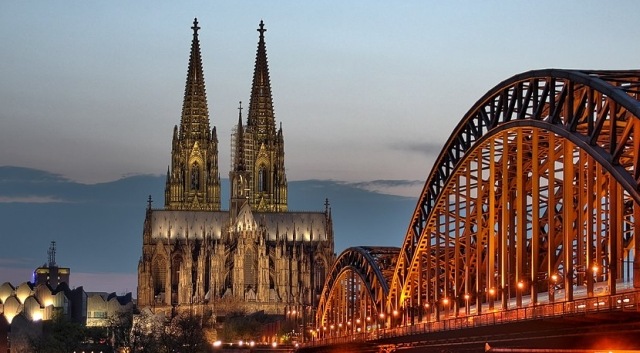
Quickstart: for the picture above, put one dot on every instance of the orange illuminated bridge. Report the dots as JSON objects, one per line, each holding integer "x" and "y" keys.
{"x": 530, "y": 211}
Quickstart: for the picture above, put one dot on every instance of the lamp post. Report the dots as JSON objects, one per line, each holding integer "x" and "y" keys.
{"x": 553, "y": 281}
{"x": 520, "y": 288}
{"x": 445, "y": 304}
{"x": 491, "y": 293}
{"x": 394, "y": 322}
{"x": 466, "y": 303}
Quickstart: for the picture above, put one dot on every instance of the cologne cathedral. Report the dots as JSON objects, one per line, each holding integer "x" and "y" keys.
{"x": 256, "y": 256}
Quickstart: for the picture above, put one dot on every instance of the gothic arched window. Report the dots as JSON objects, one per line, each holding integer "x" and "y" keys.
{"x": 159, "y": 273}
{"x": 195, "y": 176}
{"x": 262, "y": 179}
{"x": 318, "y": 275}
{"x": 250, "y": 269}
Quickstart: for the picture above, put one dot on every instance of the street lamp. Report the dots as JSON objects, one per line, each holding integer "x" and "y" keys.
{"x": 520, "y": 286}
{"x": 466, "y": 300}
{"x": 395, "y": 318}
{"x": 552, "y": 287}
{"x": 445, "y": 303}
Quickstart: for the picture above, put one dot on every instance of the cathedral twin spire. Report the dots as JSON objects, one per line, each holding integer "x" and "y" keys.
{"x": 257, "y": 174}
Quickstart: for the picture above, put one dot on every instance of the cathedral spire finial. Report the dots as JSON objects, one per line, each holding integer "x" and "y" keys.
{"x": 195, "y": 27}
{"x": 240, "y": 111}
{"x": 261, "y": 30}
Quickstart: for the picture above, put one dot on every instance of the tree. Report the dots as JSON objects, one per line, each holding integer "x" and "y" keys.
{"x": 120, "y": 325}
{"x": 188, "y": 334}
{"x": 60, "y": 335}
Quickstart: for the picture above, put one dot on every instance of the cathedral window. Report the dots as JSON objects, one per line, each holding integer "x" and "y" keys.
{"x": 262, "y": 179}
{"x": 159, "y": 276}
{"x": 195, "y": 177}
{"x": 250, "y": 269}
{"x": 318, "y": 275}
{"x": 175, "y": 272}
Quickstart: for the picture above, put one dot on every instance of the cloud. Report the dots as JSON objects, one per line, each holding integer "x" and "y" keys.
{"x": 30, "y": 199}
{"x": 407, "y": 188}
{"x": 15, "y": 262}
{"x": 21, "y": 174}
{"x": 431, "y": 148}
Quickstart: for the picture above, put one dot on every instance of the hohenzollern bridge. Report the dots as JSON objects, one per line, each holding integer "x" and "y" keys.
{"x": 523, "y": 235}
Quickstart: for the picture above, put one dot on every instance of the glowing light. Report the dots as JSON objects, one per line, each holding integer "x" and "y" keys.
{"x": 36, "y": 316}
{"x": 382, "y": 315}
{"x": 595, "y": 269}
{"x": 274, "y": 344}
{"x": 395, "y": 313}
{"x": 240, "y": 343}
{"x": 217, "y": 343}
{"x": 251, "y": 344}
{"x": 492, "y": 291}
{"x": 445, "y": 301}
{"x": 554, "y": 277}
{"x": 467, "y": 296}
{"x": 9, "y": 317}
{"x": 520, "y": 285}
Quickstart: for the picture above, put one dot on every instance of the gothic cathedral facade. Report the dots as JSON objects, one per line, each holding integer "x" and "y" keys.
{"x": 256, "y": 256}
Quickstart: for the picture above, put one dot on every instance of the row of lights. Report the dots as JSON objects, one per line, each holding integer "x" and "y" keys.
{"x": 241, "y": 343}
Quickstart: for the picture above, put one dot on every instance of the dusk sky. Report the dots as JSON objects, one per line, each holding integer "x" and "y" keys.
{"x": 365, "y": 90}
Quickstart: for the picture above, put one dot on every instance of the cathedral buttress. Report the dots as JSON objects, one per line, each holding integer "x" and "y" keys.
{"x": 193, "y": 180}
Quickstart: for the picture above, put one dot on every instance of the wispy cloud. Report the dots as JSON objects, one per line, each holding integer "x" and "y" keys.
{"x": 430, "y": 148}
{"x": 30, "y": 199}
{"x": 16, "y": 262}
{"x": 407, "y": 188}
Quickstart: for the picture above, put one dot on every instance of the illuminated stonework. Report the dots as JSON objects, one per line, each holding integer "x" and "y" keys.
{"x": 255, "y": 256}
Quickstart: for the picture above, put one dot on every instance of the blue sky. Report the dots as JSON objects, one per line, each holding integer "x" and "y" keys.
{"x": 365, "y": 90}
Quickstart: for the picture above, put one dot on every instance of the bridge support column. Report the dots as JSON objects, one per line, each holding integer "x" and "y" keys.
{"x": 636, "y": 249}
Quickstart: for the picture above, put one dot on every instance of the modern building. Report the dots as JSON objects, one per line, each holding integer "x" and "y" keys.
{"x": 24, "y": 307}
{"x": 256, "y": 256}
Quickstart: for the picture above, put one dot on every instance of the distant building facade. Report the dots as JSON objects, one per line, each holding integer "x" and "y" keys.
{"x": 25, "y": 306}
{"x": 256, "y": 256}
{"x": 50, "y": 273}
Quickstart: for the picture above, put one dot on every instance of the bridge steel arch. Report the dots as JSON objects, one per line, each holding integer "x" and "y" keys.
{"x": 535, "y": 194}
{"x": 355, "y": 291}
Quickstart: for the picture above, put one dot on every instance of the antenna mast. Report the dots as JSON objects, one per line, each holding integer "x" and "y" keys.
{"x": 52, "y": 254}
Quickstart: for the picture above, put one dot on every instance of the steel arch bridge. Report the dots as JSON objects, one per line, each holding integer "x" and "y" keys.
{"x": 534, "y": 197}
{"x": 356, "y": 289}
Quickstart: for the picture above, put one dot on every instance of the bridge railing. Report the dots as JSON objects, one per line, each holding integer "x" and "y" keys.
{"x": 628, "y": 301}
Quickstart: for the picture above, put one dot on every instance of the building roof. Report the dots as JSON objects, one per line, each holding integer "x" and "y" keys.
{"x": 292, "y": 226}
